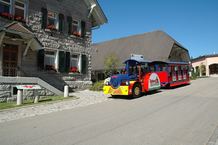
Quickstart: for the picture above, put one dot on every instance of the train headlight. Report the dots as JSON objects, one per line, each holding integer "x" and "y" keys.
{"x": 127, "y": 83}
{"x": 107, "y": 81}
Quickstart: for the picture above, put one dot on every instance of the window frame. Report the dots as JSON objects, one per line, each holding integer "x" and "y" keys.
{"x": 53, "y": 56}
{"x": 74, "y": 59}
{"x": 78, "y": 32}
{"x": 21, "y": 8}
{"x": 56, "y": 20}
{"x": 12, "y": 9}
{"x": 9, "y": 4}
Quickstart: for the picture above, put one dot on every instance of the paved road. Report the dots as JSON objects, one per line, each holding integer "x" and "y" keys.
{"x": 183, "y": 116}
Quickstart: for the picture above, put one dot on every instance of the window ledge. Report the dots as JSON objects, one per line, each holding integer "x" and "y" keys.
{"x": 73, "y": 36}
{"x": 52, "y": 31}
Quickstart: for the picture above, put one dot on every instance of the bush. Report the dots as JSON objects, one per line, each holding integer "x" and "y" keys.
{"x": 98, "y": 86}
{"x": 194, "y": 76}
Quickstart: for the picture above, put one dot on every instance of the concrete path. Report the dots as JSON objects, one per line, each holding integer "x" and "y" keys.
{"x": 84, "y": 98}
{"x": 183, "y": 116}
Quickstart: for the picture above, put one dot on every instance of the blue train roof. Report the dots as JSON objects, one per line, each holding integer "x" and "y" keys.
{"x": 140, "y": 61}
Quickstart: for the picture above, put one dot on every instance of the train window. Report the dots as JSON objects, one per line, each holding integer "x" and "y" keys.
{"x": 169, "y": 69}
{"x": 165, "y": 68}
{"x": 144, "y": 68}
{"x": 152, "y": 68}
{"x": 133, "y": 70}
{"x": 161, "y": 68}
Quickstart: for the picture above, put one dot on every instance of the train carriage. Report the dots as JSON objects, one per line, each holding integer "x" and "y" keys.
{"x": 141, "y": 76}
{"x": 177, "y": 72}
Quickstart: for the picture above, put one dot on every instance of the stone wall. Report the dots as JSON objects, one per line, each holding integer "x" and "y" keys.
{"x": 54, "y": 39}
{"x": 62, "y": 41}
{"x": 6, "y": 93}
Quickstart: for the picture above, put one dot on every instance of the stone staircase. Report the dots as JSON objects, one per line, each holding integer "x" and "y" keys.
{"x": 52, "y": 78}
{"x": 29, "y": 80}
{"x": 59, "y": 80}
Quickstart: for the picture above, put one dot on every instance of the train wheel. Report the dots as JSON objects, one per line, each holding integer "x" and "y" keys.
{"x": 136, "y": 91}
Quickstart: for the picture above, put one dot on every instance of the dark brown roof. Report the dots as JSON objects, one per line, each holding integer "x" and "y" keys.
{"x": 203, "y": 57}
{"x": 154, "y": 46}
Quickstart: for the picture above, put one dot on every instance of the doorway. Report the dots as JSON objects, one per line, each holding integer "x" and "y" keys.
{"x": 10, "y": 60}
{"x": 213, "y": 69}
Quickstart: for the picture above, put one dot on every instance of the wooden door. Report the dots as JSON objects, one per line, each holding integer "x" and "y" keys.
{"x": 10, "y": 58}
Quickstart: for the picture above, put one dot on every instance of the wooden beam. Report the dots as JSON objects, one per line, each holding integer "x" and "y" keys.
{"x": 2, "y": 35}
{"x": 28, "y": 46}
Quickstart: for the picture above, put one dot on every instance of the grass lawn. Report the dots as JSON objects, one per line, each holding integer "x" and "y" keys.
{"x": 49, "y": 99}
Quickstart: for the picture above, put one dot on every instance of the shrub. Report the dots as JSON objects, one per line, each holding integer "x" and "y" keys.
{"x": 98, "y": 86}
{"x": 194, "y": 75}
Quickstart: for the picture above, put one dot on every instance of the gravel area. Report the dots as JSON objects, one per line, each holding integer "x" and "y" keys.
{"x": 85, "y": 98}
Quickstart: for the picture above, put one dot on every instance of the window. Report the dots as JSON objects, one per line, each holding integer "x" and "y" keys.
{"x": 5, "y": 7}
{"x": 76, "y": 28}
{"x": 52, "y": 20}
{"x": 50, "y": 60}
{"x": 18, "y": 8}
{"x": 19, "y": 11}
{"x": 74, "y": 63}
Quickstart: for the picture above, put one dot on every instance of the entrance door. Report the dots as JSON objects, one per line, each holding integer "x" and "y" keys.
{"x": 10, "y": 58}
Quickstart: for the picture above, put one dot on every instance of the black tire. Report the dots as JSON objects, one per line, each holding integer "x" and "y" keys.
{"x": 136, "y": 91}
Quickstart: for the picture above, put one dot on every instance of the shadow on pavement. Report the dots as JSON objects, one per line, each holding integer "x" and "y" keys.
{"x": 131, "y": 98}
{"x": 175, "y": 87}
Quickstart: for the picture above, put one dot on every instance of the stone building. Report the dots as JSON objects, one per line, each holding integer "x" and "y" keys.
{"x": 206, "y": 65}
{"x": 49, "y": 40}
{"x": 154, "y": 46}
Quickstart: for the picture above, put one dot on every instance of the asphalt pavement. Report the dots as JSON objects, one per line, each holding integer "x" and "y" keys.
{"x": 182, "y": 116}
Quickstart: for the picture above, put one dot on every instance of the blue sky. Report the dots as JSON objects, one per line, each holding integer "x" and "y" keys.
{"x": 193, "y": 23}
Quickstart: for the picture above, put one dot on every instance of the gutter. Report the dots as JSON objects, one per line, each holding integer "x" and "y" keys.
{"x": 96, "y": 27}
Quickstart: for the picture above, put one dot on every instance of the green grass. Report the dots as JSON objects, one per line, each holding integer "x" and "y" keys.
{"x": 49, "y": 99}
{"x": 7, "y": 105}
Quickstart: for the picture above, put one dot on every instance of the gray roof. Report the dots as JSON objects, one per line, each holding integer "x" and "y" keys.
{"x": 154, "y": 46}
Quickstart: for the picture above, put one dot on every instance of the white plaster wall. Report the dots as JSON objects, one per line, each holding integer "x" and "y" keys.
{"x": 207, "y": 62}
{"x": 212, "y": 60}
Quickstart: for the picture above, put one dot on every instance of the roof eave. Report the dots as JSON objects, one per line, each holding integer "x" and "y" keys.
{"x": 97, "y": 13}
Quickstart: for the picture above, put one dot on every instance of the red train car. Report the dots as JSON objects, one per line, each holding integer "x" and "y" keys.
{"x": 141, "y": 76}
{"x": 177, "y": 72}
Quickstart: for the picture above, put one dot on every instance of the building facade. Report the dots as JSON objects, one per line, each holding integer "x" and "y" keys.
{"x": 49, "y": 39}
{"x": 206, "y": 65}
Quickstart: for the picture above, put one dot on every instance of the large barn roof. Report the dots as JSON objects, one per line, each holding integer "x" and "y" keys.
{"x": 154, "y": 46}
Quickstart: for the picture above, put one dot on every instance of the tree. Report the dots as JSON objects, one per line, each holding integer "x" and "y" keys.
{"x": 197, "y": 71}
{"x": 111, "y": 64}
{"x": 203, "y": 69}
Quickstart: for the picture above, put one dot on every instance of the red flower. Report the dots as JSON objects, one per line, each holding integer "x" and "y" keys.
{"x": 78, "y": 34}
{"x": 73, "y": 69}
{"x": 51, "y": 27}
{"x": 19, "y": 18}
{"x": 7, "y": 15}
